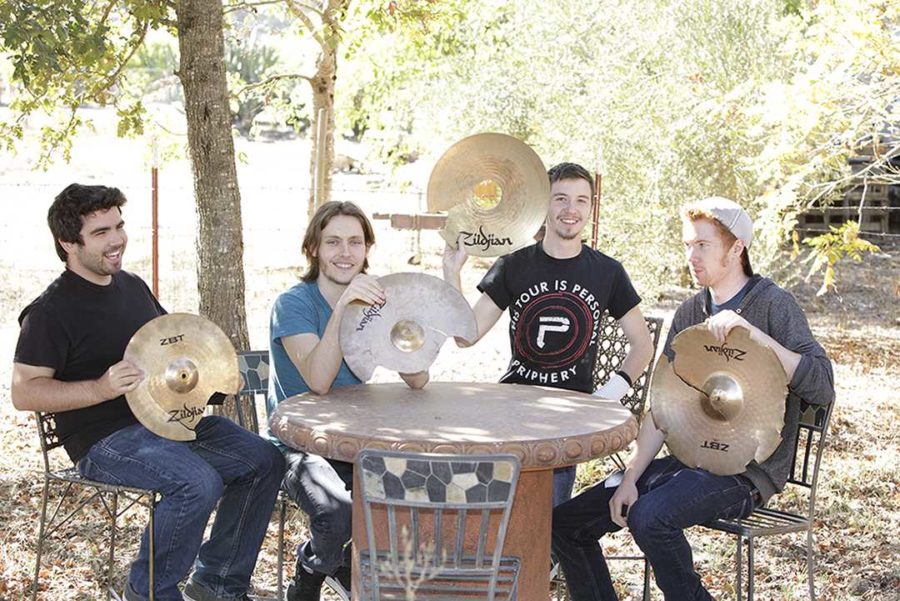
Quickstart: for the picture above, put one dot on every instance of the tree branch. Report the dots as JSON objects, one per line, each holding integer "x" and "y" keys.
{"x": 297, "y": 10}
{"x": 248, "y": 5}
{"x": 270, "y": 80}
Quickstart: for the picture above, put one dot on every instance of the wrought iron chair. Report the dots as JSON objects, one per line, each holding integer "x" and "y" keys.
{"x": 254, "y": 368}
{"x": 808, "y": 448}
{"x": 612, "y": 347}
{"x": 444, "y": 524}
{"x": 108, "y": 495}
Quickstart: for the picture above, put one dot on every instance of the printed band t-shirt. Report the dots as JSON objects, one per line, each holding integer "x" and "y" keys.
{"x": 555, "y": 308}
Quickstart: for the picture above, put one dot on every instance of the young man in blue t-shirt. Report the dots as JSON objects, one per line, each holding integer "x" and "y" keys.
{"x": 306, "y": 357}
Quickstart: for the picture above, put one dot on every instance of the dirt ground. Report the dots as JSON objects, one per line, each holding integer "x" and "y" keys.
{"x": 858, "y": 506}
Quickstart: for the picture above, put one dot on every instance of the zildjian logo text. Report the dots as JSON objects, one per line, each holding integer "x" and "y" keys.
{"x": 726, "y": 351}
{"x": 185, "y": 413}
{"x": 484, "y": 240}
{"x": 370, "y": 314}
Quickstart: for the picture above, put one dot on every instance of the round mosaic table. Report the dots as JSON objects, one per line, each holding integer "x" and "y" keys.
{"x": 544, "y": 427}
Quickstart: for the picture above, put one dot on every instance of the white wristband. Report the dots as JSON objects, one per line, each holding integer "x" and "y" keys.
{"x": 614, "y": 389}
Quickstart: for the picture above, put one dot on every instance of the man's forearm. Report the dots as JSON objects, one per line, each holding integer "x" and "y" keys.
{"x": 52, "y": 395}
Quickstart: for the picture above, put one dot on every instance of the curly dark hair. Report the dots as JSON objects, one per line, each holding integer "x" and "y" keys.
{"x": 72, "y": 204}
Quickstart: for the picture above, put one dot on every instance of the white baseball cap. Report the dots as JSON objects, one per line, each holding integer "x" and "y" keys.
{"x": 730, "y": 214}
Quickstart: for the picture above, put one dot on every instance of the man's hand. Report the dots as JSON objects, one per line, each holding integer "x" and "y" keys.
{"x": 624, "y": 497}
{"x": 454, "y": 259}
{"x": 120, "y": 378}
{"x": 364, "y": 288}
{"x": 721, "y": 323}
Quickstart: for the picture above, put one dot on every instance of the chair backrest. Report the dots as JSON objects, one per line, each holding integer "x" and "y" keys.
{"x": 46, "y": 424}
{"x": 809, "y": 446}
{"x": 254, "y": 367}
{"x": 440, "y": 517}
{"x": 612, "y": 347}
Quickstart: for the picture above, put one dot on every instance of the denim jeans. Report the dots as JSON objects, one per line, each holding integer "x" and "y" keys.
{"x": 563, "y": 483}
{"x": 322, "y": 487}
{"x": 226, "y": 465}
{"x": 672, "y": 497}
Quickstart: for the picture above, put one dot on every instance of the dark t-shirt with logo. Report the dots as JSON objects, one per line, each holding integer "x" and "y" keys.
{"x": 555, "y": 307}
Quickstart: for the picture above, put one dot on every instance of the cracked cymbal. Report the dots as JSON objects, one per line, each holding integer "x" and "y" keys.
{"x": 495, "y": 191}
{"x": 720, "y": 405}
{"x": 185, "y": 359}
{"x": 405, "y": 333}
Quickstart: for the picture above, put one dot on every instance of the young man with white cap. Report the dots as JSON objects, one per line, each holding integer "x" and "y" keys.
{"x": 657, "y": 499}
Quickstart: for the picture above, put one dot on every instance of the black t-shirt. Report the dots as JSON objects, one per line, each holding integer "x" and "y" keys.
{"x": 555, "y": 307}
{"x": 80, "y": 329}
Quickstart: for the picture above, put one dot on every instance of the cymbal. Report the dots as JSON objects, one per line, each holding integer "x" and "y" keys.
{"x": 406, "y": 332}
{"x": 720, "y": 405}
{"x": 495, "y": 191}
{"x": 185, "y": 359}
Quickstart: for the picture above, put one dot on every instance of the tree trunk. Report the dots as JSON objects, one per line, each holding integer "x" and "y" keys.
{"x": 220, "y": 246}
{"x": 322, "y": 84}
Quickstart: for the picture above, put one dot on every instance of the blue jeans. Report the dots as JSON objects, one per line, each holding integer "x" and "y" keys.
{"x": 563, "y": 483}
{"x": 672, "y": 497}
{"x": 322, "y": 487}
{"x": 226, "y": 465}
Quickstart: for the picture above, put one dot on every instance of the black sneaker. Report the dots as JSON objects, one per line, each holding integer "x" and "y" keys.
{"x": 305, "y": 585}
{"x": 339, "y": 582}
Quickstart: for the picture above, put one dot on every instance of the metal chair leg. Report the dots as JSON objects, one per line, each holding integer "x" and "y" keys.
{"x": 281, "y": 518}
{"x": 40, "y": 541}
{"x": 151, "y": 562}
{"x": 114, "y": 513}
{"x": 646, "y": 594}
{"x": 750, "y": 568}
{"x": 810, "y": 564}
{"x": 739, "y": 563}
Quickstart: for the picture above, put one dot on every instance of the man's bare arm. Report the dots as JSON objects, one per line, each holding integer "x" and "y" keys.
{"x": 35, "y": 388}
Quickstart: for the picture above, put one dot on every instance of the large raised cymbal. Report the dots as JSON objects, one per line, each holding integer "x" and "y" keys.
{"x": 465, "y": 180}
{"x": 720, "y": 405}
{"x": 185, "y": 359}
{"x": 406, "y": 332}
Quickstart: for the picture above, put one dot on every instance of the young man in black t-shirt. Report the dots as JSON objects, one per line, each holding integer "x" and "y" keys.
{"x": 68, "y": 361}
{"x": 556, "y": 291}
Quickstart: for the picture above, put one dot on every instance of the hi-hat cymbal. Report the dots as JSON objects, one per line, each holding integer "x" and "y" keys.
{"x": 495, "y": 191}
{"x": 185, "y": 359}
{"x": 406, "y": 332}
{"x": 721, "y": 405}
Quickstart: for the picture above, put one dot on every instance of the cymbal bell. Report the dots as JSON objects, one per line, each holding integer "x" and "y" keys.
{"x": 185, "y": 359}
{"x": 405, "y": 333}
{"x": 720, "y": 405}
{"x": 495, "y": 190}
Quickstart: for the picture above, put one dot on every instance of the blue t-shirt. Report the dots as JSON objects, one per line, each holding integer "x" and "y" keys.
{"x": 300, "y": 310}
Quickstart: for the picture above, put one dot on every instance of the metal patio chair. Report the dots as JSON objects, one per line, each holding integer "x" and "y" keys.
{"x": 441, "y": 525}
{"x": 254, "y": 368}
{"x": 612, "y": 347}
{"x": 109, "y": 495}
{"x": 809, "y": 445}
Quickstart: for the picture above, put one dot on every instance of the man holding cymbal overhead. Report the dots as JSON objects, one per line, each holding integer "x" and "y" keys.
{"x": 556, "y": 291}
{"x": 656, "y": 499}
{"x": 68, "y": 362}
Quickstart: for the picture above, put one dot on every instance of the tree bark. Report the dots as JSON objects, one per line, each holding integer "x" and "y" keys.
{"x": 322, "y": 84}
{"x": 220, "y": 245}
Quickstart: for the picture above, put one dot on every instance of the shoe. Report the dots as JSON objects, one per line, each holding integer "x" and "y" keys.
{"x": 197, "y": 592}
{"x": 339, "y": 582}
{"x": 305, "y": 585}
